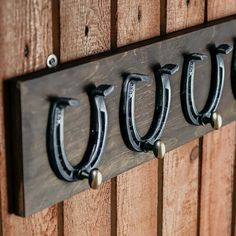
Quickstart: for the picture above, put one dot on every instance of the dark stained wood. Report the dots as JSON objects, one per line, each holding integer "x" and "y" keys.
{"x": 136, "y": 190}
{"x": 26, "y": 42}
{"x": 85, "y": 30}
{"x": 117, "y": 158}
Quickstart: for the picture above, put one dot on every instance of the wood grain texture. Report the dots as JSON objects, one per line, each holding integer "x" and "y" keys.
{"x": 218, "y": 159}
{"x": 85, "y": 30}
{"x": 217, "y": 9}
{"x": 137, "y": 20}
{"x": 89, "y": 213}
{"x": 117, "y": 158}
{"x": 233, "y": 226}
{"x": 180, "y": 190}
{"x": 137, "y": 201}
{"x": 180, "y": 168}
{"x": 184, "y": 13}
{"x": 137, "y": 189}
{"x": 26, "y": 41}
{"x": 218, "y": 163}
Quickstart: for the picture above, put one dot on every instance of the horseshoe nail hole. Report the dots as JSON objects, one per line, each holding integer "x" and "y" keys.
{"x": 26, "y": 50}
{"x": 139, "y": 13}
{"x": 86, "y": 31}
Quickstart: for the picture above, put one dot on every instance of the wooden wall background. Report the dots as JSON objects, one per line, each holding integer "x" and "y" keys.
{"x": 190, "y": 192}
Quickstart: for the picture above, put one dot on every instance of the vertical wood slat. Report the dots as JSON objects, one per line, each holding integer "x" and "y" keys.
{"x": 32, "y": 35}
{"x": 137, "y": 20}
{"x": 85, "y": 30}
{"x": 233, "y": 224}
{"x": 137, "y": 188}
{"x": 218, "y": 163}
{"x": 180, "y": 190}
{"x": 217, "y": 181}
{"x": 26, "y": 42}
{"x": 180, "y": 167}
{"x": 184, "y": 13}
{"x": 217, "y": 9}
{"x": 137, "y": 201}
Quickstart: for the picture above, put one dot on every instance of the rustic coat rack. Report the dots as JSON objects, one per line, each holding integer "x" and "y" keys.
{"x": 169, "y": 96}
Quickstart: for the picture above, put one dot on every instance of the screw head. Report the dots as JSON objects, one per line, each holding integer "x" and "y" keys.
{"x": 95, "y": 179}
{"x": 216, "y": 121}
{"x": 52, "y": 61}
{"x": 159, "y": 149}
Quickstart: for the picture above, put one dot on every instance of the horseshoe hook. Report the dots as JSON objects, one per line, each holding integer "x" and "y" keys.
{"x": 150, "y": 141}
{"x": 208, "y": 114}
{"x": 87, "y": 168}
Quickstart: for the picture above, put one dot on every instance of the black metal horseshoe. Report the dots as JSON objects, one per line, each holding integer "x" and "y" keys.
{"x": 86, "y": 169}
{"x": 130, "y": 134}
{"x": 208, "y": 113}
{"x": 233, "y": 71}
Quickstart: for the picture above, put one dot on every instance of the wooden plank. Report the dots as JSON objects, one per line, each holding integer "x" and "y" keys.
{"x": 179, "y": 174}
{"x": 89, "y": 213}
{"x": 217, "y": 9}
{"x": 137, "y": 20}
{"x": 217, "y": 181}
{"x": 85, "y": 30}
{"x": 117, "y": 157}
{"x": 26, "y": 41}
{"x": 180, "y": 190}
{"x": 137, "y": 201}
{"x": 137, "y": 189}
{"x": 184, "y": 13}
{"x": 233, "y": 224}
{"x": 218, "y": 162}
{"x": 84, "y": 27}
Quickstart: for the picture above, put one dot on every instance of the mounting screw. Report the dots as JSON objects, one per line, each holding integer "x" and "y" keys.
{"x": 52, "y": 61}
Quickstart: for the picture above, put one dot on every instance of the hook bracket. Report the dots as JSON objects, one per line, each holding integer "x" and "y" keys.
{"x": 191, "y": 113}
{"x": 55, "y": 141}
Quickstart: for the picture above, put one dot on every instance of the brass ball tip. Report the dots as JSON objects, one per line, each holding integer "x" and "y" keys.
{"x": 95, "y": 179}
{"x": 216, "y": 121}
{"x": 159, "y": 149}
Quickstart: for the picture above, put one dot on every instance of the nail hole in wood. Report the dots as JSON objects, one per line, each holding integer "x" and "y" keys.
{"x": 86, "y": 31}
{"x": 26, "y": 50}
{"x": 139, "y": 13}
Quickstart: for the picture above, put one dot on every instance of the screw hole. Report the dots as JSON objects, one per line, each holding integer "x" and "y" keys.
{"x": 52, "y": 61}
{"x": 187, "y": 2}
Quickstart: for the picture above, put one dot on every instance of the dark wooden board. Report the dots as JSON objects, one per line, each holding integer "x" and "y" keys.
{"x": 37, "y": 186}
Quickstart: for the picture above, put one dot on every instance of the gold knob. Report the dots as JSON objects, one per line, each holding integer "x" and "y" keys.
{"x": 216, "y": 121}
{"x": 159, "y": 149}
{"x": 95, "y": 179}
